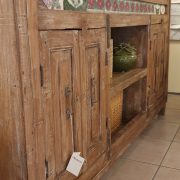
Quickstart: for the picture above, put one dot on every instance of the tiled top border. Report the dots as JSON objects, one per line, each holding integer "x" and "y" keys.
{"x": 116, "y": 6}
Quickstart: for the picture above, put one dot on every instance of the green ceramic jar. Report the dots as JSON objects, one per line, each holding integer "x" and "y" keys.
{"x": 124, "y": 57}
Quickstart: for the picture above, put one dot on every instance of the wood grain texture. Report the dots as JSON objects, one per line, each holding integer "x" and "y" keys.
{"x": 157, "y": 63}
{"x": 136, "y": 124}
{"x": 168, "y": 49}
{"x": 123, "y": 80}
{"x": 34, "y": 126}
{"x": 121, "y": 20}
{"x": 12, "y": 150}
{"x": 61, "y": 95}
{"x": 129, "y": 134}
{"x": 38, "y": 121}
{"x": 94, "y": 88}
{"x": 166, "y": 2}
{"x": 27, "y": 93}
{"x": 125, "y": 137}
{"x": 160, "y": 19}
{"x": 50, "y": 19}
{"x": 132, "y": 101}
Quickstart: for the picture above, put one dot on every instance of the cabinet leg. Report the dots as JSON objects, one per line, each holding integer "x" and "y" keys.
{"x": 162, "y": 111}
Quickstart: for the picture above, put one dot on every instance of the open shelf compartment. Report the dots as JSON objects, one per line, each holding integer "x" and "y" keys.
{"x": 135, "y": 36}
{"x": 128, "y": 89}
{"x": 126, "y": 104}
{"x": 123, "y": 80}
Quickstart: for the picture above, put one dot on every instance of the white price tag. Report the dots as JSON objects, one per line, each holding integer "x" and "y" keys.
{"x": 75, "y": 164}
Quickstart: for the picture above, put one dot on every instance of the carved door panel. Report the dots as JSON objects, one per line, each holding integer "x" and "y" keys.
{"x": 153, "y": 66}
{"x": 161, "y": 60}
{"x": 164, "y": 61}
{"x": 60, "y": 80}
{"x": 158, "y": 63}
{"x": 93, "y": 82}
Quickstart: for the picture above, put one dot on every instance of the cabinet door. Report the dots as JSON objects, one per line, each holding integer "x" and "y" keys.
{"x": 164, "y": 61}
{"x": 162, "y": 57}
{"x": 61, "y": 100}
{"x": 157, "y": 64}
{"x": 152, "y": 64}
{"x": 93, "y": 82}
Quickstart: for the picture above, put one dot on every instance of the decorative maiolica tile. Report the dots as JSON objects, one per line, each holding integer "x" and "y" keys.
{"x": 133, "y": 7}
{"x": 115, "y": 6}
{"x": 96, "y": 5}
{"x": 108, "y": 5}
{"x": 118, "y": 6}
{"x": 157, "y": 9}
{"x": 76, "y": 5}
{"x": 121, "y": 5}
{"x": 66, "y": 4}
{"x": 54, "y": 4}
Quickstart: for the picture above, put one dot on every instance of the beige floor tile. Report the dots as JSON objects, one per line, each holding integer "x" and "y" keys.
{"x": 167, "y": 174}
{"x": 173, "y": 97}
{"x": 177, "y": 137}
{"x": 172, "y": 158}
{"x": 147, "y": 150}
{"x": 130, "y": 170}
{"x": 161, "y": 130}
{"x": 173, "y": 102}
{"x": 172, "y": 116}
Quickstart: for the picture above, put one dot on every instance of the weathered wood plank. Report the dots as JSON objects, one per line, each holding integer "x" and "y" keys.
{"x": 123, "y": 80}
{"x": 21, "y": 122}
{"x": 125, "y": 137}
{"x": 50, "y": 19}
{"x": 160, "y": 19}
{"x": 122, "y": 20}
{"x": 38, "y": 122}
{"x": 157, "y": 1}
{"x": 128, "y": 133}
{"x": 25, "y": 66}
{"x": 12, "y": 150}
{"x": 61, "y": 93}
{"x": 94, "y": 97}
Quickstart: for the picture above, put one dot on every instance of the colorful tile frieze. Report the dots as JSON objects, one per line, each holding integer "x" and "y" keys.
{"x": 122, "y": 6}
{"x": 75, "y": 5}
{"x": 118, "y": 6}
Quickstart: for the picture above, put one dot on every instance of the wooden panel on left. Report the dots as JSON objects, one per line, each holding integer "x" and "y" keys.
{"x": 61, "y": 102}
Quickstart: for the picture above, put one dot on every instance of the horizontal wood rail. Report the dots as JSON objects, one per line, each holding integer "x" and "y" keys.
{"x": 53, "y": 20}
{"x": 123, "y": 20}
{"x": 121, "y": 81}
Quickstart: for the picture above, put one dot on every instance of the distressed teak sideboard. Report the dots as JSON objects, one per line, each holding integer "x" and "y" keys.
{"x": 56, "y": 95}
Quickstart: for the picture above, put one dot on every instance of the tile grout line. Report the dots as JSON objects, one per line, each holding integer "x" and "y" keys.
{"x": 170, "y": 168}
{"x": 165, "y": 154}
{"x": 169, "y": 141}
{"x": 157, "y": 139}
{"x": 140, "y": 161}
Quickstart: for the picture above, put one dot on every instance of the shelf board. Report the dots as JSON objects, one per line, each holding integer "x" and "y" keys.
{"x": 121, "y": 81}
{"x": 126, "y": 133}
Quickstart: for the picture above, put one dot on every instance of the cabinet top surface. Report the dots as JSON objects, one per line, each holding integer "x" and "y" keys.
{"x": 52, "y": 19}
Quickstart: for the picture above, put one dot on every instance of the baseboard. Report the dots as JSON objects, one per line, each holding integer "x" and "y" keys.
{"x": 174, "y": 93}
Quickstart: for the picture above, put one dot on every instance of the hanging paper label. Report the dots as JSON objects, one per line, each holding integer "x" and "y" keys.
{"x": 75, "y": 164}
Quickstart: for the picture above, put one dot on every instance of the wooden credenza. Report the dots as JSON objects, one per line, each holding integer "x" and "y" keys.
{"x": 56, "y": 93}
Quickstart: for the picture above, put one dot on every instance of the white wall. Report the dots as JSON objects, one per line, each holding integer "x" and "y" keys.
{"x": 174, "y": 67}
